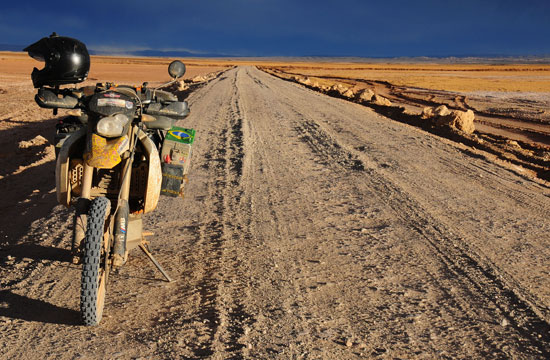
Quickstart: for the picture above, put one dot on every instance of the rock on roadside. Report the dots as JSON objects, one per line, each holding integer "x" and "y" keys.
{"x": 455, "y": 119}
{"x": 461, "y": 120}
{"x": 380, "y": 100}
{"x": 349, "y": 94}
{"x": 366, "y": 95}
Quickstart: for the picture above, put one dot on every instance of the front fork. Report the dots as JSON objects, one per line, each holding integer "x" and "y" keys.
{"x": 81, "y": 213}
{"x": 120, "y": 253}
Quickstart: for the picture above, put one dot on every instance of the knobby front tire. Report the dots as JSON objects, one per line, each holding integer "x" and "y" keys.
{"x": 94, "y": 264}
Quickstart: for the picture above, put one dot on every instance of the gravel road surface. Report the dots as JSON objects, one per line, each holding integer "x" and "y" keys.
{"x": 312, "y": 228}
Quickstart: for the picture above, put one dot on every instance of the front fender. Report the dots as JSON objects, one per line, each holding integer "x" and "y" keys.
{"x": 72, "y": 147}
{"x": 154, "y": 174}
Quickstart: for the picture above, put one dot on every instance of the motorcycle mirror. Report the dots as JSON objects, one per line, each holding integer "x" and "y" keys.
{"x": 176, "y": 69}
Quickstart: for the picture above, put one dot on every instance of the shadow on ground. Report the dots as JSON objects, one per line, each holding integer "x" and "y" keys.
{"x": 27, "y": 189}
{"x": 16, "y": 306}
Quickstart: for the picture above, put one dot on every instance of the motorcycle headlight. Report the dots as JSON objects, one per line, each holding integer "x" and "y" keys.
{"x": 112, "y": 126}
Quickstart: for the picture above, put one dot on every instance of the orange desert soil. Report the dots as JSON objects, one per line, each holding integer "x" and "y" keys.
{"x": 313, "y": 227}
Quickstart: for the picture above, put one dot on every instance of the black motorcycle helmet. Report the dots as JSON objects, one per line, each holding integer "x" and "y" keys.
{"x": 67, "y": 61}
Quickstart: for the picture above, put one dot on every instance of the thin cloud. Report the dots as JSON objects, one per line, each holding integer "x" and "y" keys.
{"x": 129, "y": 49}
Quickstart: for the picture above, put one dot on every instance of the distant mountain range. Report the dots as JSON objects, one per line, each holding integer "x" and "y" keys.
{"x": 156, "y": 53}
{"x": 478, "y": 59}
{"x": 489, "y": 59}
{"x": 137, "y": 53}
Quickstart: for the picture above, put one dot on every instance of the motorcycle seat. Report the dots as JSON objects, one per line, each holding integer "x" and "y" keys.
{"x": 161, "y": 123}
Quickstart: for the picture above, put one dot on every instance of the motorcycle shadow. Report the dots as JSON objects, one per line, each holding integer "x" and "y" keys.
{"x": 27, "y": 177}
{"x": 17, "y": 306}
{"x": 14, "y": 154}
{"x": 37, "y": 252}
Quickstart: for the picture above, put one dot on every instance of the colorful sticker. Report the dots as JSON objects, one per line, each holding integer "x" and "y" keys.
{"x": 123, "y": 226}
{"x": 179, "y": 134}
{"x": 103, "y": 153}
{"x": 123, "y": 146}
{"x": 111, "y": 102}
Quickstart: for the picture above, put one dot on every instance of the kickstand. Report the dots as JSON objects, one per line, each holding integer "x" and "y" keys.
{"x": 143, "y": 246}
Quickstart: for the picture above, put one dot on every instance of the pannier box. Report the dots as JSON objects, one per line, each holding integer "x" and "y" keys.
{"x": 175, "y": 158}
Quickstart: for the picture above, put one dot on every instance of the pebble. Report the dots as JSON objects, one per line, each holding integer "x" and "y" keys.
{"x": 504, "y": 322}
{"x": 349, "y": 343}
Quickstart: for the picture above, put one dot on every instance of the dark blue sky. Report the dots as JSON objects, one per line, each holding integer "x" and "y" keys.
{"x": 289, "y": 28}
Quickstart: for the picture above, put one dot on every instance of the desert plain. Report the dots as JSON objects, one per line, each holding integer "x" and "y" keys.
{"x": 316, "y": 224}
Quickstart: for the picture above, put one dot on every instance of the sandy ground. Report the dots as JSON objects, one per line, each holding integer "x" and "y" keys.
{"x": 510, "y": 101}
{"x": 512, "y": 126}
{"x": 129, "y": 71}
{"x": 442, "y": 76}
{"x": 312, "y": 228}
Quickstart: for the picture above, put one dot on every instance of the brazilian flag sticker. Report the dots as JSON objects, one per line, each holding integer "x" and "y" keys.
{"x": 182, "y": 135}
{"x": 179, "y": 134}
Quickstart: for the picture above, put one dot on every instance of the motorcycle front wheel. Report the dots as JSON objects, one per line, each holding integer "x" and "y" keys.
{"x": 95, "y": 267}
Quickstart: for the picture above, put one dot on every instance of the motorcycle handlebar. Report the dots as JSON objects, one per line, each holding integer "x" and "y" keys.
{"x": 51, "y": 98}
{"x": 47, "y": 98}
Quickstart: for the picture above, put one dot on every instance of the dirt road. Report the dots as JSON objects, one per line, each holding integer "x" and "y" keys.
{"x": 312, "y": 228}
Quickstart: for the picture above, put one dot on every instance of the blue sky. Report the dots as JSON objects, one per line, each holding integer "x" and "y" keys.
{"x": 289, "y": 28}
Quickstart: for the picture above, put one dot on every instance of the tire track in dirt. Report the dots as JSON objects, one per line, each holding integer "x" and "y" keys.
{"x": 220, "y": 311}
{"x": 233, "y": 297}
{"x": 481, "y": 281}
{"x": 479, "y": 278}
{"x": 227, "y": 158}
{"x": 222, "y": 304}
{"x": 330, "y": 152}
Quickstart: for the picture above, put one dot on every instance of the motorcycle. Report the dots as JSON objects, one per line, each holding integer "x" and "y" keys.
{"x": 110, "y": 169}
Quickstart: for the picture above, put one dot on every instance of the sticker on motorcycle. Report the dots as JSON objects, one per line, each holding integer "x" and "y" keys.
{"x": 179, "y": 134}
{"x": 104, "y": 153}
{"x": 111, "y": 102}
{"x": 123, "y": 225}
{"x": 123, "y": 146}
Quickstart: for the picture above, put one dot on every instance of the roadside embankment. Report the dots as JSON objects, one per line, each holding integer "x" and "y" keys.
{"x": 532, "y": 160}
